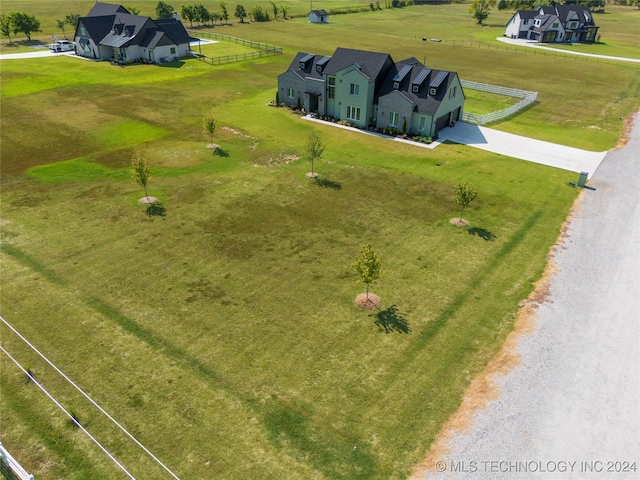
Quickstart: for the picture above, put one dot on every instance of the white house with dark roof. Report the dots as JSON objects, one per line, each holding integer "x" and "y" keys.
{"x": 109, "y": 31}
{"x": 554, "y": 24}
{"x": 318, "y": 16}
{"x": 369, "y": 88}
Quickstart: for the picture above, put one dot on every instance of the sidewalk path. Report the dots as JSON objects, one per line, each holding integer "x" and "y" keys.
{"x": 516, "y": 146}
{"x": 571, "y": 409}
{"x": 530, "y": 43}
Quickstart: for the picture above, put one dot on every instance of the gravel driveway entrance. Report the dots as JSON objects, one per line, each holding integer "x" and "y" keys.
{"x": 571, "y": 409}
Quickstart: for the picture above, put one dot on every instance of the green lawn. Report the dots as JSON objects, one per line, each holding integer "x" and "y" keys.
{"x": 221, "y": 331}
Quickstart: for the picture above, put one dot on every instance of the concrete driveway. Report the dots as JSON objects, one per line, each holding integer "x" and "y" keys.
{"x": 40, "y": 53}
{"x": 530, "y": 43}
{"x": 516, "y": 146}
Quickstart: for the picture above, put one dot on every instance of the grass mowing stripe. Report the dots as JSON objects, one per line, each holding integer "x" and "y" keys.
{"x": 432, "y": 328}
{"x": 29, "y": 262}
{"x": 159, "y": 343}
{"x": 69, "y": 415}
{"x": 56, "y": 438}
{"x": 338, "y": 457}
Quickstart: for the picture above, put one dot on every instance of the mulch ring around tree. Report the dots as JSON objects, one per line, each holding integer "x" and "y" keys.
{"x": 147, "y": 200}
{"x": 371, "y": 303}
{"x": 460, "y": 222}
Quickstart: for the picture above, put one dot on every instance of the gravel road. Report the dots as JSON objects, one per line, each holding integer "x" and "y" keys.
{"x": 571, "y": 409}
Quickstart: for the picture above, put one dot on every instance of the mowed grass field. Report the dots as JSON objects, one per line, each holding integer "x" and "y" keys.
{"x": 223, "y": 334}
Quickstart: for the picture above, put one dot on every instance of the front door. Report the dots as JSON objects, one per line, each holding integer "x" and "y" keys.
{"x": 313, "y": 102}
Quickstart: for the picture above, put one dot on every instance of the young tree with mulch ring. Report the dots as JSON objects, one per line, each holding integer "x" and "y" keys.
{"x": 140, "y": 173}
{"x": 313, "y": 150}
{"x": 367, "y": 264}
{"x": 209, "y": 126}
{"x": 465, "y": 194}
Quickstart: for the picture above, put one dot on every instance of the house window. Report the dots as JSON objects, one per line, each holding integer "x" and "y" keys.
{"x": 393, "y": 119}
{"x": 555, "y": 25}
{"x": 452, "y": 92}
{"x": 396, "y": 85}
{"x": 573, "y": 24}
{"x": 83, "y": 31}
{"x": 526, "y": 21}
{"x": 416, "y": 88}
{"x": 432, "y": 91}
{"x": 290, "y": 93}
{"x": 355, "y": 89}
{"x": 318, "y": 68}
{"x": 353, "y": 113}
{"x": 173, "y": 50}
{"x": 332, "y": 87}
{"x": 423, "y": 120}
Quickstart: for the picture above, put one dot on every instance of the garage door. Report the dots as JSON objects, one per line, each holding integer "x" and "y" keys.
{"x": 442, "y": 122}
{"x": 456, "y": 115}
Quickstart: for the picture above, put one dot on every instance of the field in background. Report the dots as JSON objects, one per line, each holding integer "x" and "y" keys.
{"x": 221, "y": 331}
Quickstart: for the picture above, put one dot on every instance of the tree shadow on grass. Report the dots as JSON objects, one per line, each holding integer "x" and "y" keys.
{"x": 326, "y": 183}
{"x": 156, "y": 210}
{"x": 219, "y": 152}
{"x": 391, "y": 320}
{"x": 482, "y": 233}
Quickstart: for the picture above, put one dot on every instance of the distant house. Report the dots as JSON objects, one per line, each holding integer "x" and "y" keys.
{"x": 110, "y": 32}
{"x": 369, "y": 88}
{"x": 318, "y": 16}
{"x": 554, "y": 24}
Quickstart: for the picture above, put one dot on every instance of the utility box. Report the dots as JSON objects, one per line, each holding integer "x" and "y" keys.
{"x": 582, "y": 181}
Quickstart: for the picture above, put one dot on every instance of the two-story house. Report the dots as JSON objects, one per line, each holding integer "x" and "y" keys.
{"x": 369, "y": 88}
{"x": 109, "y": 31}
{"x": 554, "y": 24}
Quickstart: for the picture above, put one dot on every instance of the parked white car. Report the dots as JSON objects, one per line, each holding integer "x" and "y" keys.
{"x": 62, "y": 46}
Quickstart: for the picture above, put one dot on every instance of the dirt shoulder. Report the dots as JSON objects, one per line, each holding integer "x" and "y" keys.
{"x": 563, "y": 395}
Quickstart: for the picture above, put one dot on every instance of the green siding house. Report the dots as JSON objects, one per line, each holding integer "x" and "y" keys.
{"x": 369, "y": 88}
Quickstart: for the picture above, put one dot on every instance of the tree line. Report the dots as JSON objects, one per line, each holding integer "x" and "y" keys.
{"x": 593, "y": 5}
{"x": 200, "y": 14}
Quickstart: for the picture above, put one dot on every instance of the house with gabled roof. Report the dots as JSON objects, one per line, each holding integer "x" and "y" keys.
{"x": 110, "y": 32}
{"x": 419, "y": 99}
{"x": 554, "y": 24}
{"x": 318, "y": 16}
{"x": 368, "y": 88}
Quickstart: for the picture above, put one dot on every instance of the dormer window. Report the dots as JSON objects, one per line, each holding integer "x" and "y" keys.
{"x": 304, "y": 60}
{"x": 396, "y": 85}
{"x": 415, "y": 88}
{"x": 432, "y": 91}
{"x": 318, "y": 68}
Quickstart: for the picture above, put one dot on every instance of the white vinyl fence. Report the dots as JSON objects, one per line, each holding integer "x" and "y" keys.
{"x": 10, "y": 468}
{"x": 527, "y": 98}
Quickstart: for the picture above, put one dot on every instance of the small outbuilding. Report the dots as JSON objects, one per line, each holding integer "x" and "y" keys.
{"x": 318, "y": 16}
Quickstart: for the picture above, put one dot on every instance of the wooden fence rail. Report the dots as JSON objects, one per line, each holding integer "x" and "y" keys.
{"x": 264, "y": 49}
